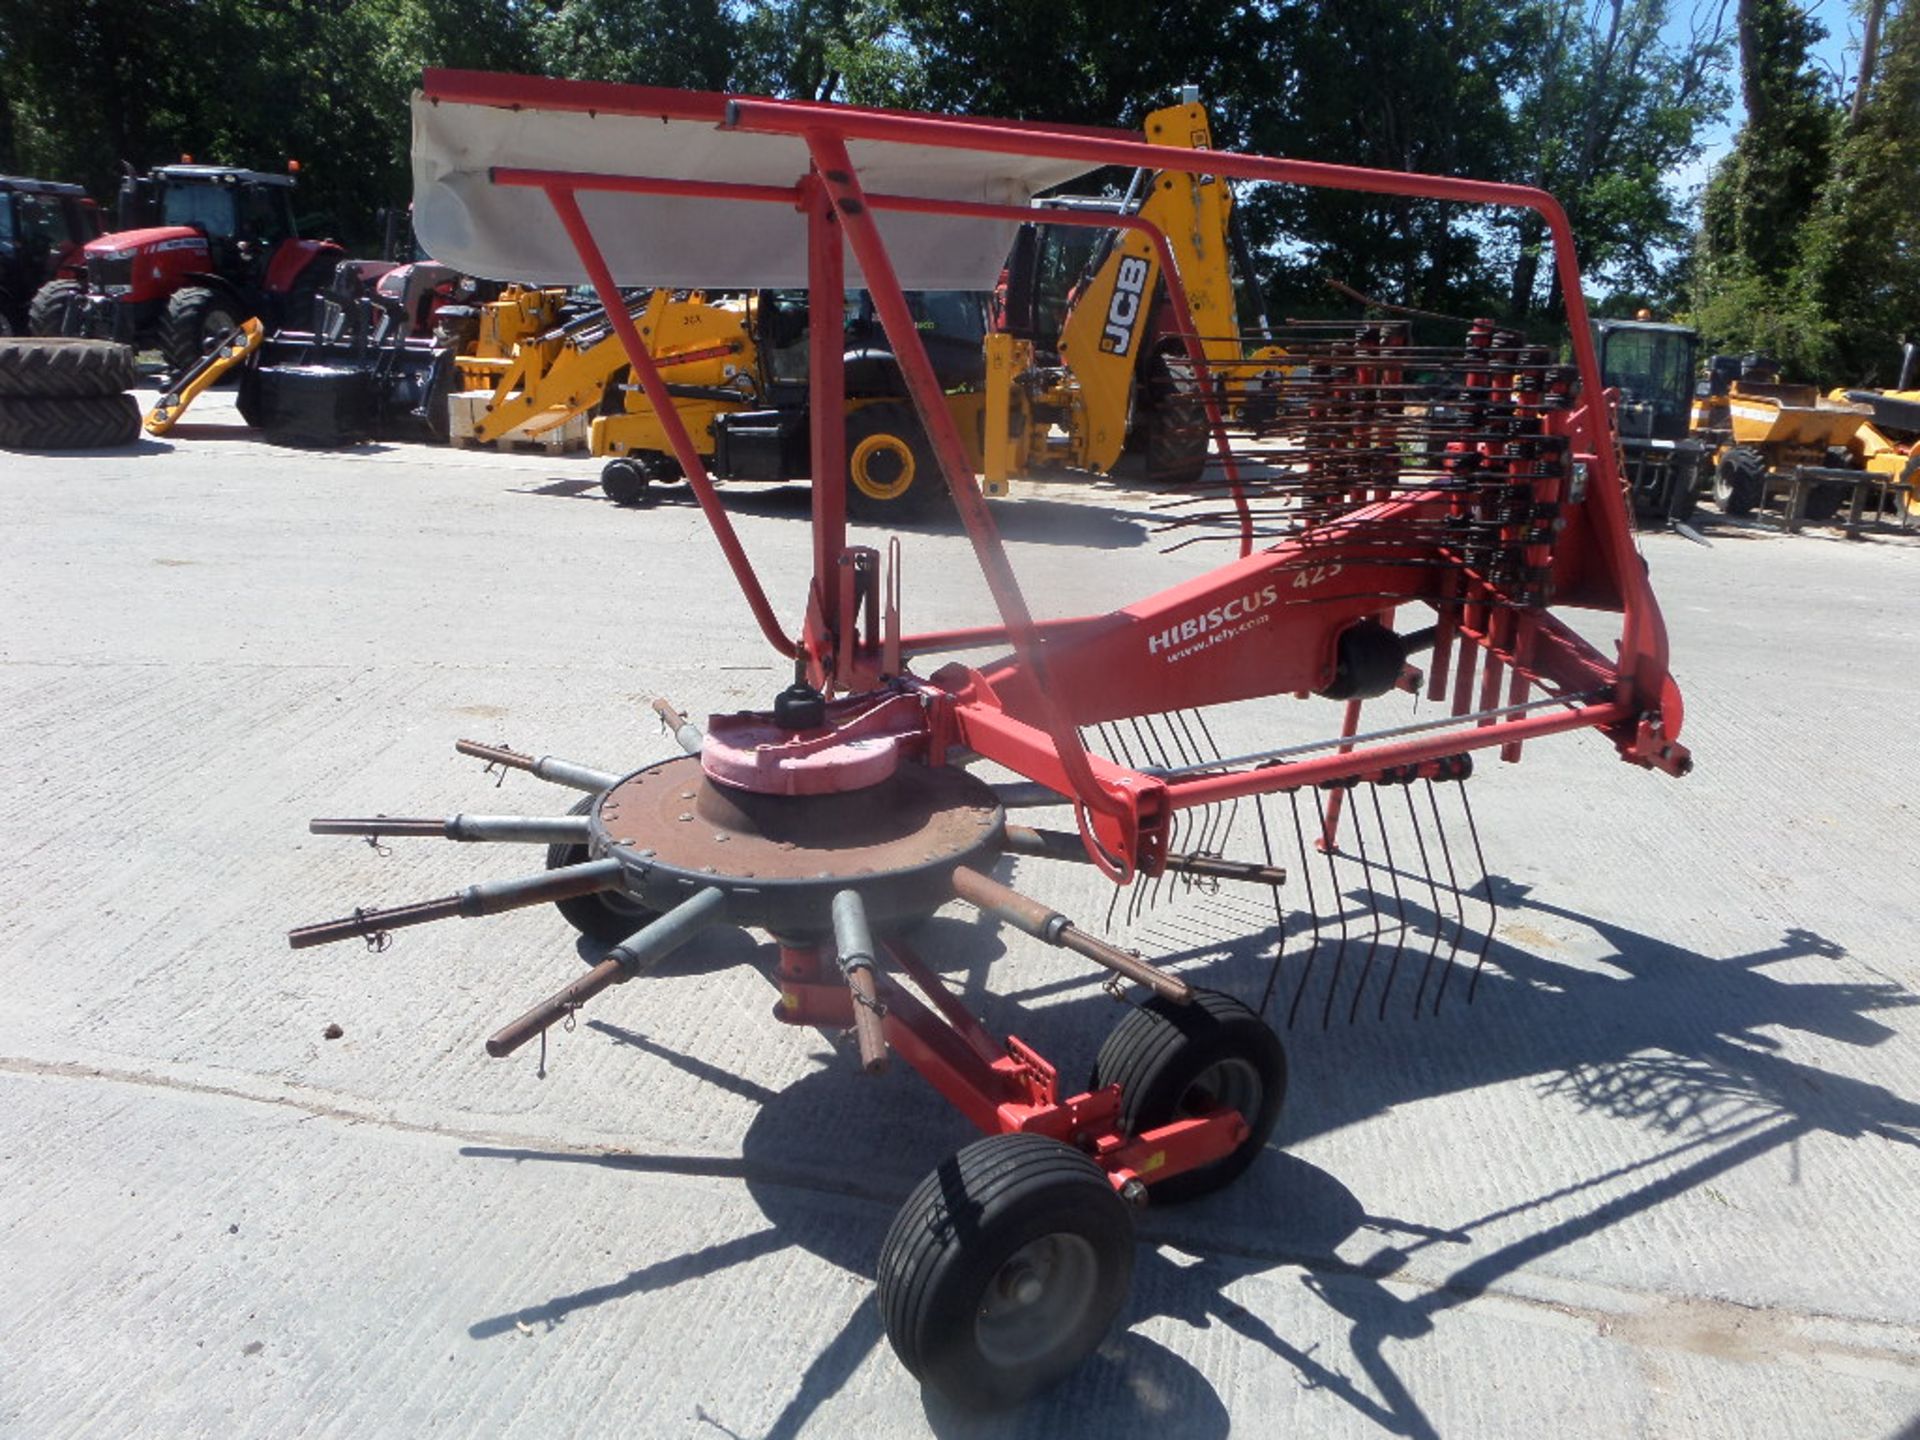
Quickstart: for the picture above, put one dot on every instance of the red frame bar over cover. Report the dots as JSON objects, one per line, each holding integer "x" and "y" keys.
{"x": 1025, "y": 710}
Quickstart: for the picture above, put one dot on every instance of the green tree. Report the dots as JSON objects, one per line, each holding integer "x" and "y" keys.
{"x": 1859, "y": 262}
{"x": 1609, "y": 108}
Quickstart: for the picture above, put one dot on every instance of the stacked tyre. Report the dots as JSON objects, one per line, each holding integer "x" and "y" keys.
{"x": 66, "y": 394}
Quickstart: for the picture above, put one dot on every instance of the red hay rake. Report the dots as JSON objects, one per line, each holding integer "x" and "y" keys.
{"x": 1474, "y": 486}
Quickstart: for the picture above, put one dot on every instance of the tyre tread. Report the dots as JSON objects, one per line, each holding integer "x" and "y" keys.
{"x": 94, "y": 422}
{"x": 51, "y": 368}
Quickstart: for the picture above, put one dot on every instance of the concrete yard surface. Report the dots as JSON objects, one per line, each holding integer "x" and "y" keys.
{"x": 1658, "y": 1179}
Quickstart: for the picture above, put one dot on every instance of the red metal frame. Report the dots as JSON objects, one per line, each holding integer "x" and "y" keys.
{"x": 1025, "y": 709}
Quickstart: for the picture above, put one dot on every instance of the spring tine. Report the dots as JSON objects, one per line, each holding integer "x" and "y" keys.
{"x": 1486, "y": 878}
{"x": 1399, "y": 903}
{"x": 1313, "y": 911}
{"x": 1459, "y": 900}
{"x": 1339, "y": 914}
{"x": 1433, "y": 890}
{"x": 1373, "y": 944}
{"x": 1279, "y": 910}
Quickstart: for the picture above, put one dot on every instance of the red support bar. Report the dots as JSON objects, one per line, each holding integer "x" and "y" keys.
{"x": 651, "y": 381}
{"x": 836, "y": 169}
{"x": 1643, "y": 641}
{"x": 826, "y": 374}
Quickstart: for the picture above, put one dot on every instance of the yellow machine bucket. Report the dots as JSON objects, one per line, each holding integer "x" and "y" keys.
{"x": 1791, "y": 415}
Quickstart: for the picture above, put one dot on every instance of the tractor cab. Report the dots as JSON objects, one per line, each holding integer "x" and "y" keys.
{"x": 43, "y": 226}
{"x": 1652, "y": 367}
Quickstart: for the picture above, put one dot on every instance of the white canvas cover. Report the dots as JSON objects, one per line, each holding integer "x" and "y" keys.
{"x": 511, "y": 233}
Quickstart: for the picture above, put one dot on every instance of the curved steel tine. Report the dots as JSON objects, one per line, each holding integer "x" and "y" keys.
{"x": 1399, "y": 902}
{"x": 1313, "y": 912}
{"x": 1486, "y": 878}
{"x": 1459, "y": 900}
{"x": 1339, "y": 915}
{"x": 1433, "y": 891}
{"x": 1373, "y": 903}
{"x": 1279, "y": 910}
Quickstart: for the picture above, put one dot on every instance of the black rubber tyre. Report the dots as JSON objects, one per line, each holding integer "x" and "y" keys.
{"x": 1004, "y": 1269}
{"x": 1825, "y": 501}
{"x": 1738, "y": 481}
{"x": 195, "y": 320}
{"x": 91, "y": 422}
{"x": 1176, "y": 1061}
{"x": 606, "y": 917}
{"x": 624, "y": 481}
{"x": 1171, "y": 429}
{"x": 891, "y": 470}
{"x": 57, "y": 309}
{"x": 6, "y": 313}
{"x": 63, "y": 369}
{"x": 1683, "y": 499}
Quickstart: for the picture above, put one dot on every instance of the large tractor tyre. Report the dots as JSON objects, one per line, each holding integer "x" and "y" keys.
{"x": 195, "y": 320}
{"x": 91, "y": 422}
{"x": 606, "y": 915}
{"x": 1739, "y": 480}
{"x": 63, "y": 369}
{"x": 6, "y": 312}
{"x": 1181, "y": 1062}
{"x": 59, "y": 307}
{"x": 1171, "y": 431}
{"x": 891, "y": 470}
{"x": 1004, "y": 1269}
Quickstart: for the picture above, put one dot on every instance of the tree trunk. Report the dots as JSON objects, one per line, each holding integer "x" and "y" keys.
{"x": 1869, "y": 52}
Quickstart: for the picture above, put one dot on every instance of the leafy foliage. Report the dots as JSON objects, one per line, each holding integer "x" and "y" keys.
{"x": 1809, "y": 240}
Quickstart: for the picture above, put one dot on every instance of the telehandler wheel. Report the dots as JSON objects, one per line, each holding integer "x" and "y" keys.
{"x": 58, "y": 308}
{"x": 1175, "y": 1062}
{"x": 1824, "y": 502}
{"x": 891, "y": 470}
{"x": 1739, "y": 480}
{"x": 607, "y": 916}
{"x": 195, "y": 320}
{"x": 1005, "y": 1269}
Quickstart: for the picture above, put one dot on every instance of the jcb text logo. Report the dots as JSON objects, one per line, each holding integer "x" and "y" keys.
{"x": 1123, "y": 311}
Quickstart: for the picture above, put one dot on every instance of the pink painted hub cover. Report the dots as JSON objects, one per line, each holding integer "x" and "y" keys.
{"x": 861, "y": 744}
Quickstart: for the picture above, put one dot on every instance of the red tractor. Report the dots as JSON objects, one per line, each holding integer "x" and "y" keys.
{"x": 201, "y": 248}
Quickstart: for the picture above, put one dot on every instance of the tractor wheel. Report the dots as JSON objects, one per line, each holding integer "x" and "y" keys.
{"x": 58, "y": 308}
{"x": 891, "y": 470}
{"x": 6, "y": 309}
{"x": 1172, "y": 429}
{"x": 606, "y": 916}
{"x": 1739, "y": 480}
{"x": 624, "y": 482}
{"x": 89, "y": 422}
{"x": 1005, "y": 1269}
{"x": 1173, "y": 1062}
{"x": 1683, "y": 495}
{"x": 64, "y": 369}
{"x": 196, "y": 319}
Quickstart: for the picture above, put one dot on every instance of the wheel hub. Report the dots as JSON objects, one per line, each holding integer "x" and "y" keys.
{"x": 781, "y": 858}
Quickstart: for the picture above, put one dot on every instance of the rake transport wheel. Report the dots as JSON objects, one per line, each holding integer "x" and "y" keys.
{"x": 624, "y": 482}
{"x": 1738, "y": 480}
{"x": 1005, "y": 1269}
{"x": 608, "y": 916}
{"x": 1176, "y": 1062}
{"x": 891, "y": 470}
